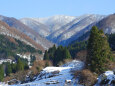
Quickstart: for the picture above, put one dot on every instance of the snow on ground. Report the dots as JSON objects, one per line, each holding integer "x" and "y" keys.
{"x": 25, "y": 57}
{"x": 56, "y": 76}
{"x": 106, "y": 78}
{"x": 5, "y": 60}
{"x": 3, "y": 84}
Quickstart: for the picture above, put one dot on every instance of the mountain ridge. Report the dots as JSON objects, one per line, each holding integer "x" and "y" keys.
{"x": 12, "y": 22}
{"x": 6, "y": 30}
{"x": 64, "y": 28}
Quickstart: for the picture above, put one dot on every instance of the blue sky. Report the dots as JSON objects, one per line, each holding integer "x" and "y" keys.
{"x": 44, "y": 8}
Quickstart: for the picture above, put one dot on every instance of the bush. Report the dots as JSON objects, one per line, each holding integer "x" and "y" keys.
{"x": 21, "y": 76}
{"x": 86, "y": 77}
{"x": 39, "y": 65}
{"x": 81, "y": 55}
{"x": 110, "y": 65}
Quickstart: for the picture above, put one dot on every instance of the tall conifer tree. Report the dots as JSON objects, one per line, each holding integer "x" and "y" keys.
{"x": 98, "y": 51}
{"x": 8, "y": 69}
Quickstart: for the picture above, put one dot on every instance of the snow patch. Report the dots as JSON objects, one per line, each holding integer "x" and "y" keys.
{"x": 5, "y": 60}
{"x": 25, "y": 57}
{"x": 106, "y": 78}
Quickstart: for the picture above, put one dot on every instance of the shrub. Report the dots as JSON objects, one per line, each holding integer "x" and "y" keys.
{"x": 81, "y": 55}
{"x": 21, "y": 76}
{"x": 86, "y": 77}
{"x": 39, "y": 65}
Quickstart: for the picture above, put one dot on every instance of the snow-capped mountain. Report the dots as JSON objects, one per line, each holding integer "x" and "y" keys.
{"x": 107, "y": 24}
{"x": 74, "y": 29}
{"x": 63, "y": 29}
{"x": 55, "y": 22}
{"x": 12, "y": 22}
{"x": 36, "y": 26}
{"x": 45, "y": 26}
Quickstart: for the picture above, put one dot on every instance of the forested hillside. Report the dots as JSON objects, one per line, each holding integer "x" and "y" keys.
{"x": 10, "y": 47}
{"x": 11, "y": 60}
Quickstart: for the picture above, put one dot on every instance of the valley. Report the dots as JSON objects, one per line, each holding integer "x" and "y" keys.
{"x": 57, "y": 51}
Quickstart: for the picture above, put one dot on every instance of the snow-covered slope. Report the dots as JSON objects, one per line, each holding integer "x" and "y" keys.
{"x": 74, "y": 29}
{"x": 63, "y": 29}
{"x": 106, "y": 79}
{"x": 12, "y": 32}
{"x": 55, "y": 22}
{"x": 36, "y": 26}
{"x": 56, "y": 76}
{"x": 12, "y": 22}
{"x": 107, "y": 24}
{"x": 45, "y": 26}
{"x": 5, "y": 60}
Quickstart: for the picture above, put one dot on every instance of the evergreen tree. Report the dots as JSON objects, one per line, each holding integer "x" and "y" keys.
{"x": 111, "y": 39}
{"x": 8, "y": 69}
{"x": 76, "y": 46}
{"x": 46, "y": 56}
{"x": 53, "y": 48}
{"x": 20, "y": 65}
{"x": 61, "y": 54}
{"x": 98, "y": 51}
{"x": 13, "y": 68}
{"x": 57, "y": 54}
{"x": 66, "y": 54}
{"x": 51, "y": 52}
{"x": 1, "y": 73}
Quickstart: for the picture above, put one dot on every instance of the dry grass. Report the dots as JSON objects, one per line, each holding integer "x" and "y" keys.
{"x": 110, "y": 65}
{"x": 64, "y": 61}
{"x": 39, "y": 65}
{"x": 34, "y": 70}
{"x": 21, "y": 75}
{"x": 86, "y": 77}
{"x": 81, "y": 55}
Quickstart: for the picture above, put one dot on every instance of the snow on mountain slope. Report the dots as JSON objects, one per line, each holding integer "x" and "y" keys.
{"x": 59, "y": 29}
{"x": 73, "y": 28}
{"x": 55, "y": 22}
{"x": 56, "y": 76}
{"x": 107, "y": 24}
{"x": 63, "y": 29}
{"x": 12, "y": 32}
{"x": 36, "y": 26}
{"x": 12, "y": 22}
